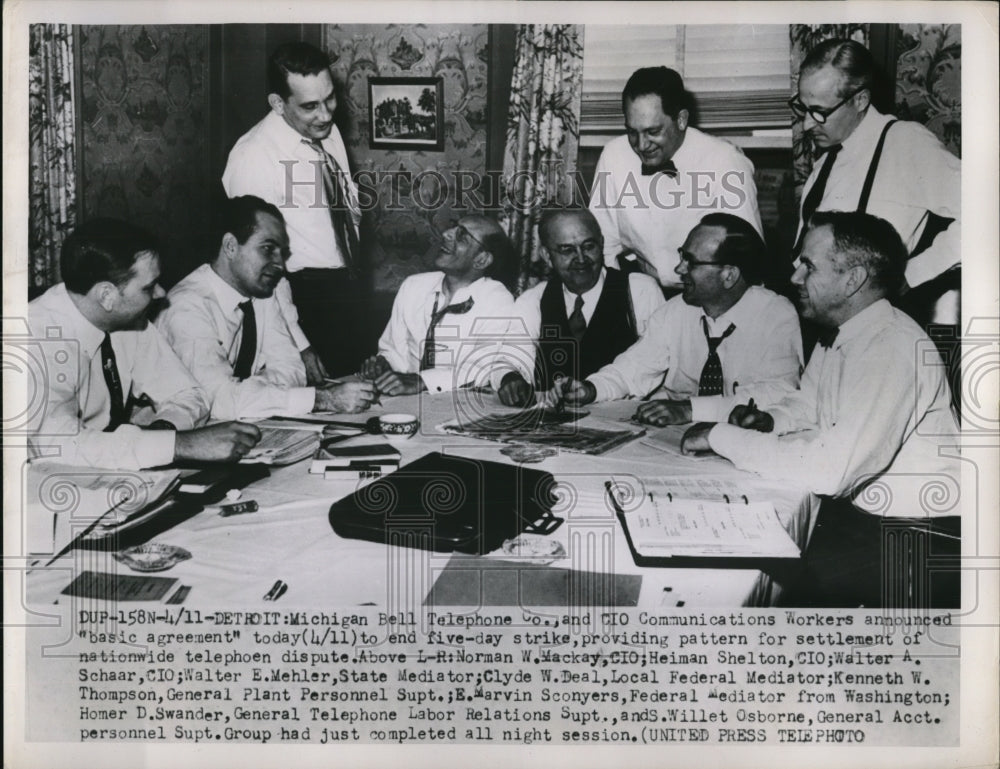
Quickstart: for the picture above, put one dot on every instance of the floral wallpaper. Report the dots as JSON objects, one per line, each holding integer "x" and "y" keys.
{"x": 929, "y": 79}
{"x": 421, "y": 199}
{"x": 145, "y": 132}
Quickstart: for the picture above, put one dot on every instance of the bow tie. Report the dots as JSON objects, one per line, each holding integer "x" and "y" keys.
{"x": 827, "y": 337}
{"x": 667, "y": 167}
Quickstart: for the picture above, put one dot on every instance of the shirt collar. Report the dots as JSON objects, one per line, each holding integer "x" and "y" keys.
{"x": 287, "y": 138}
{"x": 684, "y": 157}
{"x": 77, "y": 326}
{"x": 873, "y": 316}
{"x": 460, "y": 295}
{"x": 590, "y": 297}
{"x": 229, "y": 298}
{"x": 866, "y": 133}
{"x": 740, "y": 314}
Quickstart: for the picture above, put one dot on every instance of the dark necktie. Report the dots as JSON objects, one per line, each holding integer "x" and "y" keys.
{"x": 711, "y": 374}
{"x": 342, "y": 207}
{"x": 577, "y": 323}
{"x": 243, "y": 367}
{"x": 815, "y": 196}
{"x": 666, "y": 167}
{"x": 436, "y": 315}
{"x": 109, "y": 365}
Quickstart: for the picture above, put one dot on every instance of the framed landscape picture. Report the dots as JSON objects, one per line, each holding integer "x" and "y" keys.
{"x": 406, "y": 113}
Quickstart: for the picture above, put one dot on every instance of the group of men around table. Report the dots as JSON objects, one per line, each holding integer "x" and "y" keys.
{"x": 257, "y": 330}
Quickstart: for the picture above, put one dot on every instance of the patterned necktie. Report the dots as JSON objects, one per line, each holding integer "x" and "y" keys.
{"x": 109, "y": 366}
{"x": 436, "y": 316}
{"x": 248, "y": 343}
{"x": 815, "y": 196}
{"x": 577, "y": 323}
{"x": 344, "y": 210}
{"x": 711, "y": 375}
{"x": 666, "y": 167}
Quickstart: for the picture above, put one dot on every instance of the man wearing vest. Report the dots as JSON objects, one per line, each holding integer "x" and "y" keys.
{"x": 723, "y": 341}
{"x": 577, "y": 321}
{"x": 225, "y": 324}
{"x": 897, "y": 170}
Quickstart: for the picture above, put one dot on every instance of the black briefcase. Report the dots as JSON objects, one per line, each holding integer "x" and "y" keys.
{"x": 448, "y": 504}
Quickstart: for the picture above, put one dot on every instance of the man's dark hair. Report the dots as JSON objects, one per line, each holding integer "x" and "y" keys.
{"x": 850, "y": 58}
{"x": 549, "y": 215}
{"x": 298, "y": 57}
{"x": 868, "y": 241}
{"x": 742, "y": 247}
{"x": 659, "y": 81}
{"x": 238, "y": 216}
{"x": 103, "y": 249}
{"x": 504, "y": 266}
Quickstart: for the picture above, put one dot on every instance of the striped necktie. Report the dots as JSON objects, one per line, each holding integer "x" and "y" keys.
{"x": 344, "y": 210}
{"x": 459, "y": 308}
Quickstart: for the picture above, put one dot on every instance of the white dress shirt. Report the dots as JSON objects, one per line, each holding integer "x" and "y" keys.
{"x": 204, "y": 325}
{"x": 761, "y": 358}
{"x": 872, "y": 421}
{"x": 519, "y": 348}
{"x": 654, "y": 214}
{"x": 466, "y": 345}
{"x": 916, "y": 175}
{"x": 77, "y": 405}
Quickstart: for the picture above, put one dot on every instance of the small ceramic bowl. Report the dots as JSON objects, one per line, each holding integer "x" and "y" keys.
{"x": 398, "y": 426}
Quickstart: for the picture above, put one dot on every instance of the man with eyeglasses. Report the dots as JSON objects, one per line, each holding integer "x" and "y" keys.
{"x": 652, "y": 185}
{"x": 897, "y": 170}
{"x": 723, "y": 341}
{"x": 578, "y": 320}
{"x": 447, "y": 326}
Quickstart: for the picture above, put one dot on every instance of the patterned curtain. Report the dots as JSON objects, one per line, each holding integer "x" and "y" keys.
{"x": 929, "y": 79}
{"x": 543, "y": 134}
{"x": 804, "y": 38}
{"x": 51, "y": 153}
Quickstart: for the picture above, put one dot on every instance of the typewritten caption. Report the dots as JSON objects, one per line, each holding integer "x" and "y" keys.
{"x": 517, "y": 677}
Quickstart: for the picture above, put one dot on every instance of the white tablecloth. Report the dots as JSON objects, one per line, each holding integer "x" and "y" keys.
{"x": 235, "y": 560}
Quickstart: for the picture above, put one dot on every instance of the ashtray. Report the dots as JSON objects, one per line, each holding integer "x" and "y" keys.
{"x": 152, "y": 557}
{"x": 534, "y": 548}
{"x": 528, "y": 455}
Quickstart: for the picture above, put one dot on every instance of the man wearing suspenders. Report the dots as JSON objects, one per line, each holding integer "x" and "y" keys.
{"x": 873, "y": 163}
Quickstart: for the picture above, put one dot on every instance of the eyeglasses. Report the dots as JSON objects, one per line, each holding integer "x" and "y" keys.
{"x": 819, "y": 114}
{"x": 463, "y": 236}
{"x": 690, "y": 262}
{"x": 589, "y": 248}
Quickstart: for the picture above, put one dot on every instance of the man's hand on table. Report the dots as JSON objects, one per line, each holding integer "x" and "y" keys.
{"x": 225, "y": 442}
{"x": 749, "y": 417}
{"x": 374, "y": 367}
{"x": 345, "y": 397}
{"x": 695, "y": 440}
{"x": 315, "y": 371}
{"x": 515, "y": 391}
{"x": 394, "y": 383}
{"x": 571, "y": 392}
{"x": 664, "y": 412}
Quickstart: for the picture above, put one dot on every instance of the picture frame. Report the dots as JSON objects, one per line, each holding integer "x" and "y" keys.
{"x": 406, "y": 113}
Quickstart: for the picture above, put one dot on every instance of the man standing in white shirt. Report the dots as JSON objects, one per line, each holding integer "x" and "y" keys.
{"x": 117, "y": 396}
{"x": 871, "y": 424}
{"x": 895, "y": 169}
{"x": 653, "y": 185}
{"x": 723, "y": 341}
{"x": 295, "y": 159}
{"x": 447, "y": 326}
{"x": 579, "y": 319}
{"x": 226, "y": 325}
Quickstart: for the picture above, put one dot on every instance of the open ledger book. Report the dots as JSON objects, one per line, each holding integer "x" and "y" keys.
{"x": 664, "y": 526}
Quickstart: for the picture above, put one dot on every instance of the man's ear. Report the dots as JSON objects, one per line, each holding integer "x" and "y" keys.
{"x": 682, "y": 119}
{"x": 277, "y": 103}
{"x": 546, "y": 256}
{"x": 230, "y": 245}
{"x": 863, "y": 99}
{"x": 482, "y": 261}
{"x": 857, "y": 278}
{"x": 731, "y": 275}
{"x": 105, "y": 293}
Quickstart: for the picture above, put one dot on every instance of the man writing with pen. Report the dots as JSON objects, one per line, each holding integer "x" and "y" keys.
{"x": 724, "y": 340}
